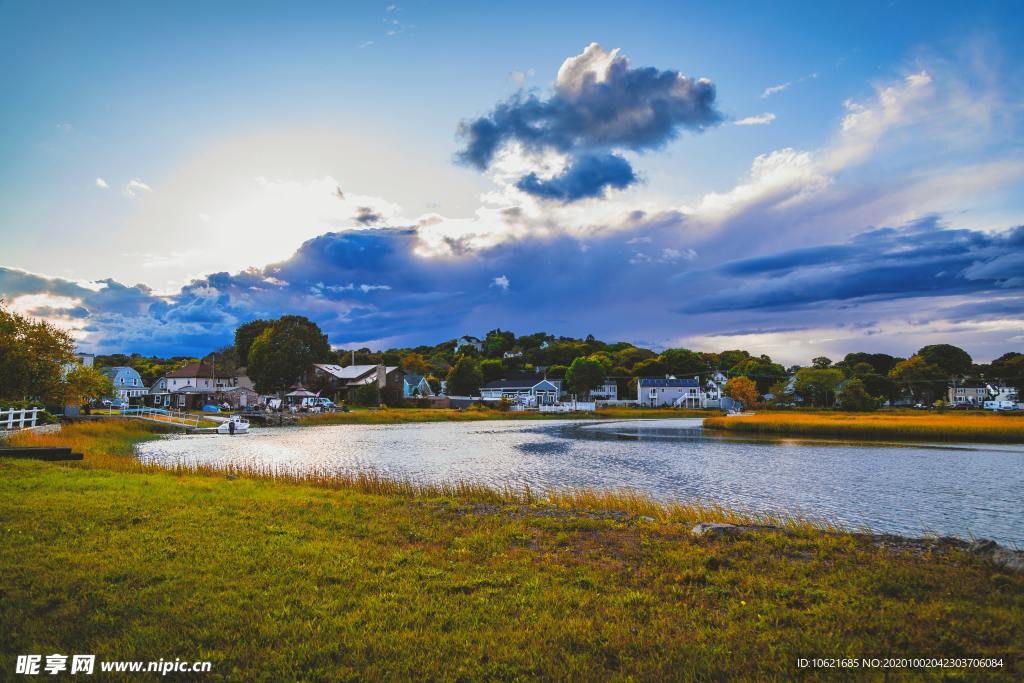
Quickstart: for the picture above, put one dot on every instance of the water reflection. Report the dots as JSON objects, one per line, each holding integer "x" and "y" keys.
{"x": 958, "y": 489}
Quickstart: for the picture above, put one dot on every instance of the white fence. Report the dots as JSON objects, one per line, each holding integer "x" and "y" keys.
{"x": 19, "y": 418}
{"x": 570, "y": 407}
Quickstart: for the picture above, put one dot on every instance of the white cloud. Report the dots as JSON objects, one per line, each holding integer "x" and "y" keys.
{"x": 759, "y": 120}
{"x": 501, "y": 282}
{"x": 771, "y": 90}
{"x": 101, "y": 183}
{"x": 366, "y": 43}
{"x": 135, "y": 188}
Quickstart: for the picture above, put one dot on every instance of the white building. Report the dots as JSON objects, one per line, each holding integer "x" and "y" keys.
{"x": 530, "y": 392}
{"x": 656, "y": 392}
{"x": 609, "y": 391}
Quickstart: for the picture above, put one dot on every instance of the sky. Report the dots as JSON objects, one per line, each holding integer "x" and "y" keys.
{"x": 799, "y": 179}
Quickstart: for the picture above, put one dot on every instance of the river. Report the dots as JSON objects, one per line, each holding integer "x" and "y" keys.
{"x": 965, "y": 490}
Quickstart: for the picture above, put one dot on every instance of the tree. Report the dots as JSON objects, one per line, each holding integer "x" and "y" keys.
{"x": 465, "y": 378}
{"x": 33, "y": 358}
{"x": 683, "y": 362}
{"x": 284, "y": 352}
{"x": 491, "y": 369}
{"x": 855, "y": 396}
{"x": 742, "y": 389}
{"x": 762, "y": 370}
{"x": 952, "y": 360}
{"x": 821, "y": 362}
{"x": 556, "y": 372}
{"x": 925, "y": 381}
{"x": 83, "y": 385}
{"x": 883, "y": 363}
{"x": 818, "y": 385}
{"x": 652, "y": 367}
{"x": 415, "y": 363}
{"x": 585, "y": 375}
{"x": 498, "y": 342}
{"x": 367, "y": 395}
{"x": 1009, "y": 368}
{"x": 245, "y": 335}
{"x": 728, "y": 359}
{"x": 631, "y": 355}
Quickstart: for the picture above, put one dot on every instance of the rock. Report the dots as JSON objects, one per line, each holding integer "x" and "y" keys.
{"x": 718, "y": 529}
{"x": 1012, "y": 560}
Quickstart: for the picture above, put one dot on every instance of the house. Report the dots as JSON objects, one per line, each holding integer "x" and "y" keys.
{"x": 340, "y": 382}
{"x": 127, "y": 384}
{"x": 1002, "y": 393}
{"x": 609, "y": 391}
{"x": 669, "y": 392}
{"x": 416, "y": 386}
{"x": 713, "y": 391}
{"x": 969, "y": 393}
{"x": 86, "y": 359}
{"x": 527, "y": 391}
{"x": 462, "y": 342}
{"x": 514, "y": 353}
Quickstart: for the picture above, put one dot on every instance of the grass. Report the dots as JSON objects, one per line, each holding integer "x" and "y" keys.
{"x": 928, "y": 426}
{"x": 320, "y": 577}
{"x": 475, "y": 414}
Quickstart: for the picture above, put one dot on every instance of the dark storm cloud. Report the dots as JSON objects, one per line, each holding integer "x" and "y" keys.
{"x": 599, "y": 104}
{"x": 885, "y": 264}
{"x": 365, "y": 215}
{"x": 588, "y": 176}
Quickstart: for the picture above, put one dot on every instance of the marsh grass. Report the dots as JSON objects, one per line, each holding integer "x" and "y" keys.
{"x": 281, "y": 576}
{"x": 938, "y": 427}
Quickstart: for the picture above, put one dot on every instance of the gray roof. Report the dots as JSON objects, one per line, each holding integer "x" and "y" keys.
{"x": 516, "y": 383}
{"x": 663, "y": 382}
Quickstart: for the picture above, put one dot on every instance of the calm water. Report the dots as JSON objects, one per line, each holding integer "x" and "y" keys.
{"x": 956, "y": 489}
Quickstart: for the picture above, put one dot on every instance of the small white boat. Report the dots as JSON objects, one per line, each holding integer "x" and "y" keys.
{"x": 235, "y": 425}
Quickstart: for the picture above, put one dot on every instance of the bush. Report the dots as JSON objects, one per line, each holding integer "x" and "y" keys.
{"x": 854, "y": 396}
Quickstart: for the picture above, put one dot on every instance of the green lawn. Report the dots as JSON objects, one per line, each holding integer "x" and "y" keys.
{"x": 281, "y": 581}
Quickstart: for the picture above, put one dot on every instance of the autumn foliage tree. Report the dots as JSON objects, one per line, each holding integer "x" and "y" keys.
{"x": 742, "y": 389}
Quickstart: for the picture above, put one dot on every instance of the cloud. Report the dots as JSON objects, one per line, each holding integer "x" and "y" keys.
{"x": 501, "y": 282}
{"x": 773, "y": 89}
{"x": 599, "y": 104}
{"x": 759, "y": 120}
{"x": 921, "y": 259}
{"x": 365, "y": 215}
{"x": 588, "y": 176}
{"x": 519, "y": 77}
{"x": 136, "y": 188}
{"x": 101, "y": 183}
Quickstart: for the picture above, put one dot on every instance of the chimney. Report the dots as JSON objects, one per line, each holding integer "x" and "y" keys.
{"x": 382, "y": 376}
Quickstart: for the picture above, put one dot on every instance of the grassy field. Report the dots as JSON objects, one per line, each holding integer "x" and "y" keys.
{"x": 286, "y": 581}
{"x": 402, "y": 415}
{"x": 941, "y": 426}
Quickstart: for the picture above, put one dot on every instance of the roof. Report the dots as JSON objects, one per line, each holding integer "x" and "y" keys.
{"x": 192, "y": 370}
{"x": 352, "y": 374}
{"x": 115, "y": 370}
{"x": 516, "y": 383}
{"x": 413, "y": 380}
{"x": 663, "y": 382}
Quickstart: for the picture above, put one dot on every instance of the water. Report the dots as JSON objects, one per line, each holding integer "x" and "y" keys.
{"x": 966, "y": 490}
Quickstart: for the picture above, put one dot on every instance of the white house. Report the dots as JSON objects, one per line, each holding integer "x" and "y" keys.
{"x": 127, "y": 383}
{"x": 468, "y": 341}
{"x": 529, "y": 391}
{"x": 609, "y": 391}
{"x": 967, "y": 394}
{"x": 656, "y": 392}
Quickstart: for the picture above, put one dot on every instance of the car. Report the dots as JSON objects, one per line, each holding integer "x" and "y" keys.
{"x": 106, "y": 403}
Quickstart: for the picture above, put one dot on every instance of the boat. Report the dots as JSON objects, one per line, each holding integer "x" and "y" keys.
{"x": 240, "y": 426}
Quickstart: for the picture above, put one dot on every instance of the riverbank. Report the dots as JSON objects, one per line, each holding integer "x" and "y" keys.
{"x": 476, "y": 414}
{"x": 364, "y": 577}
{"x": 351, "y": 584}
{"x": 928, "y": 426}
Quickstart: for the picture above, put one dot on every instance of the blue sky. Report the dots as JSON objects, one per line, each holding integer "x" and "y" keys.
{"x": 161, "y": 167}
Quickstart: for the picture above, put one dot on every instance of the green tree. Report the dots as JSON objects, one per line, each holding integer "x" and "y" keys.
{"x": 556, "y": 372}
{"x": 33, "y": 358}
{"x": 818, "y": 385}
{"x": 821, "y": 362}
{"x": 729, "y": 359}
{"x": 367, "y": 395}
{"x": 82, "y": 385}
{"x": 465, "y": 378}
{"x": 762, "y": 370}
{"x": 683, "y": 362}
{"x": 284, "y": 352}
{"x": 951, "y": 360}
{"x": 498, "y": 342}
{"x": 925, "y": 381}
{"x": 1009, "y": 368}
{"x": 584, "y": 375}
{"x": 491, "y": 369}
{"x": 854, "y": 396}
{"x": 652, "y": 367}
{"x": 246, "y": 334}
